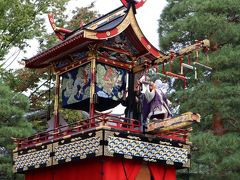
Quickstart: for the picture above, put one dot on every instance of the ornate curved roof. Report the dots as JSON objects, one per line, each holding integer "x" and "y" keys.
{"x": 116, "y": 33}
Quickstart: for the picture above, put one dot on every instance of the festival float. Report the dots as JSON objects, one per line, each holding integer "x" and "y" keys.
{"x": 98, "y": 66}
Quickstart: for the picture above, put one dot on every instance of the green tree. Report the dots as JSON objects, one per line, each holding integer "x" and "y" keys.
{"x": 216, "y": 95}
{"x": 40, "y": 83}
{"x": 80, "y": 17}
{"x": 22, "y": 20}
{"x": 28, "y": 79}
{"x": 12, "y": 125}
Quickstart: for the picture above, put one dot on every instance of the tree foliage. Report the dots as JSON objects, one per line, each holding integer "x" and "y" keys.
{"x": 22, "y": 20}
{"x": 28, "y": 79}
{"x": 39, "y": 84}
{"x": 78, "y": 18}
{"x": 216, "y": 94}
{"x": 12, "y": 125}
{"x": 82, "y": 16}
{"x": 185, "y": 21}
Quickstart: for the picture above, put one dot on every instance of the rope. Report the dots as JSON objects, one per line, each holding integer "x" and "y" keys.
{"x": 37, "y": 89}
{"x": 12, "y": 60}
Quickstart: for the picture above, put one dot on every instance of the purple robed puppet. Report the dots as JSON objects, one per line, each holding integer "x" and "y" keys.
{"x": 155, "y": 102}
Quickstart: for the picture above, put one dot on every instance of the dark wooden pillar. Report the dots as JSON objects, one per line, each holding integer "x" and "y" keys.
{"x": 131, "y": 97}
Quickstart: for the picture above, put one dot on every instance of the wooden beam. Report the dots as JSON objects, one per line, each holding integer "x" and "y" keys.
{"x": 175, "y": 75}
{"x": 183, "y": 65}
{"x": 202, "y": 65}
{"x": 183, "y": 120}
{"x": 113, "y": 62}
{"x": 118, "y": 50}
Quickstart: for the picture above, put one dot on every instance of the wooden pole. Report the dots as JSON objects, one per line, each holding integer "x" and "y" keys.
{"x": 171, "y": 59}
{"x": 197, "y": 50}
{"x": 163, "y": 68}
{"x": 185, "y": 84}
{"x": 131, "y": 95}
{"x": 189, "y": 59}
{"x": 56, "y": 102}
{"x": 207, "y": 58}
{"x": 92, "y": 88}
{"x": 180, "y": 63}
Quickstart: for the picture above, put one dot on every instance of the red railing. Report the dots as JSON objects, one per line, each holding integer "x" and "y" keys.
{"x": 177, "y": 134}
{"x": 103, "y": 119}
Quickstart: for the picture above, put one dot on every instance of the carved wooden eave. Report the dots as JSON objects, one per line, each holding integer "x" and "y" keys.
{"x": 128, "y": 20}
{"x": 122, "y": 20}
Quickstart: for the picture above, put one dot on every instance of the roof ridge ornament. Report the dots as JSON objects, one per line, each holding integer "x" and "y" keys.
{"x": 135, "y": 3}
{"x": 59, "y": 31}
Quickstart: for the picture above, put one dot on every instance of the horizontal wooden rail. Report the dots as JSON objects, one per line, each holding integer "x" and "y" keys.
{"x": 103, "y": 119}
